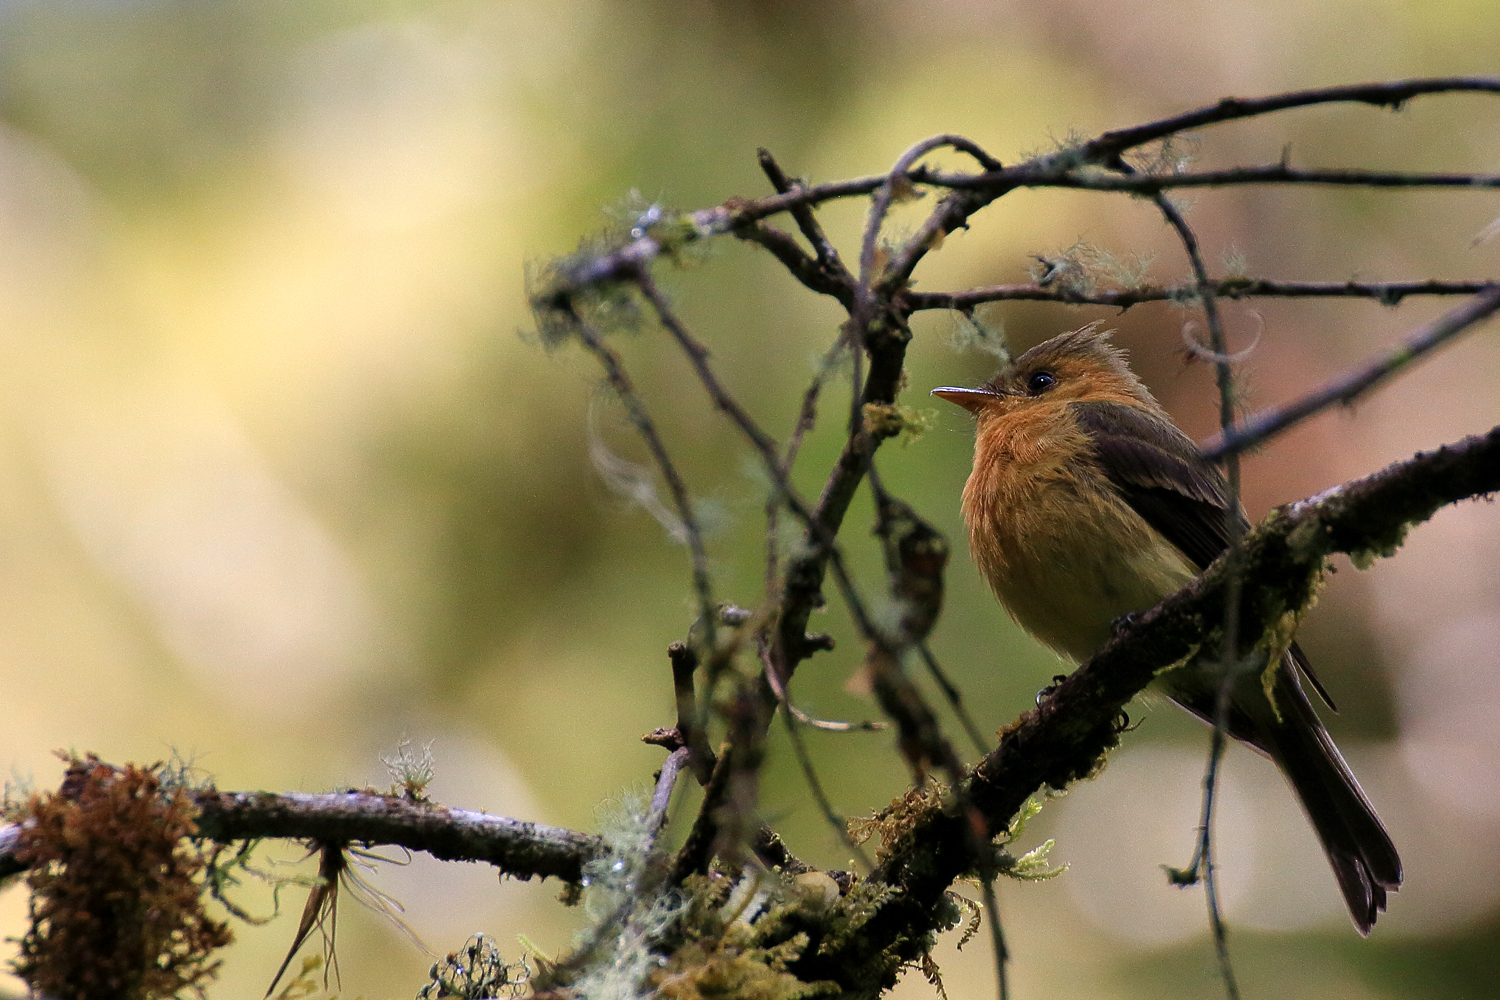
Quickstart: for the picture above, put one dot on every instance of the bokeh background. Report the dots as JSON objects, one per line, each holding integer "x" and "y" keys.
{"x": 283, "y": 478}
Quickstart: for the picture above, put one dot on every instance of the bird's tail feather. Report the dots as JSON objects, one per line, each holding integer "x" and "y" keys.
{"x": 1364, "y": 860}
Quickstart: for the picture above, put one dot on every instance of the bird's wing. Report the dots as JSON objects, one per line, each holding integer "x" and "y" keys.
{"x": 1161, "y": 474}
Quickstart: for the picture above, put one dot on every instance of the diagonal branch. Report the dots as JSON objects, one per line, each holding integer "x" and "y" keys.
{"x": 620, "y": 382}
{"x": 1267, "y": 423}
{"x": 828, "y": 256}
{"x": 1203, "y": 856}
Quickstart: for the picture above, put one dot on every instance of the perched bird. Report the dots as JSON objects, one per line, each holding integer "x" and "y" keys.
{"x": 1086, "y": 503}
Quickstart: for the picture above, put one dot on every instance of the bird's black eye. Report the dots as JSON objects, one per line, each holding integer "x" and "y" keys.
{"x": 1040, "y": 383}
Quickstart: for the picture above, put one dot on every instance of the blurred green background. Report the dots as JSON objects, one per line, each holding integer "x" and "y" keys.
{"x": 281, "y": 483}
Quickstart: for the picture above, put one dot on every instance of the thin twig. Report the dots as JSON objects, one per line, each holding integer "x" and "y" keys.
{"x": 1387, "y": 292}
{"x": 690, "y": 730}
{"x": 886, "y": 194}
{"x": 1391, "y": 94}
{"x": 1042, "y": 174}
{"x": 1264, "y": 425}
{"x": 969, "y": 192}
{"x": 807, "y": 416}
{"x": 839, "y": 824}
{"x": 662, "y": 797}
{"x": 805, "y": 269}
{"x": 764, "y": 445}
{"x": 773, "y": 676}
{"x": 997, "y": 936}
{"x": 1203, "y": 858}
{"x": 952, "y": 213}
{"x": 615, "y": 372}
{"x": 954, "y": 696}
{"x": 827, "y": 253}
{"x": 697, "y": 846}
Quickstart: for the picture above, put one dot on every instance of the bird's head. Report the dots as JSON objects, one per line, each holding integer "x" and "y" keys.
{"x": 1079, "y": 365}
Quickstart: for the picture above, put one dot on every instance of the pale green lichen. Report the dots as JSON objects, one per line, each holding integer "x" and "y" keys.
{"x": 627, "y": 909}
{"x": 1078, "y": 269}
{"x": 477, "y": 971}
{"x": 1235, "y": 267}
{"x": 1034, "y": 865}
{"x": 860, "y": 904}
{"x": 1189, "y": 657}
{"x": 1365, "y": 558}
{"x": 887, "y": 420}
{"x": 740, "y": 938}
{"x": 971, "y": 331}
{"x": 1168, "y": 156}
{"x": 411, "y": 768}
{"x": 1308, "y": 540}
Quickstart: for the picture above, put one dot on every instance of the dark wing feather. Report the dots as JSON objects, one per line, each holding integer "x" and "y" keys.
{"x": 1162, "y": 476}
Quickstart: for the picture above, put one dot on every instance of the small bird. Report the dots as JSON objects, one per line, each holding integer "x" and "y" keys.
{"x": 1087, "y": 503}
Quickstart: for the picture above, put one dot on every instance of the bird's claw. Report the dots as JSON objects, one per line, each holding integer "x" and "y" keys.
{"x": 1046, "y": 692}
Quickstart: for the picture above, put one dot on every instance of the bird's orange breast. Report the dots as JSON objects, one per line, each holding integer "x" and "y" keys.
{"x": 1062, "y": 549}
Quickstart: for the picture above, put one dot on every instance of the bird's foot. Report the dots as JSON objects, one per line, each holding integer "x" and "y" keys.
{"x": 1046, "y": 692}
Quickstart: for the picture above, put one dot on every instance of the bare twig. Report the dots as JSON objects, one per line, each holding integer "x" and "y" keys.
{"x": 689, "y": 728}
{"x": 1229, "y": 657}
{"x": 1386, "y": 292}
{"x": 806, "y": 417}
{"x": 1053, "y": 169}
{"x": 773, "y": 676}
{"x": 765, "y": 446}
{"x": 1391, "y": 94}
{"x": 837, "y": 822}
{"x": 665, "y": 783}
{"x": 954, "y": 696}
{"x": 997, "y": 935}
{"x": 783, "y": 247}
{"x": 1043, "y": 174}
{"x": 886, "y": 194}
{"x": 828, "y": 255}
{"x": 615, "y": 372}
{"x": 1261, "y": 426}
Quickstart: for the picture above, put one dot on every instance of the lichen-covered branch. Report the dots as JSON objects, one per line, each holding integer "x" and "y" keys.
{"x": 517, "y": 848}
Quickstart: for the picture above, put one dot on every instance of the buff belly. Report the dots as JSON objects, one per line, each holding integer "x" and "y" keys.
{"x": 1067, "y": 562}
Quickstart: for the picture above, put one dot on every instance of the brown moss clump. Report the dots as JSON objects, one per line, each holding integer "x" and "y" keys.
{"x": 116, "y": 907}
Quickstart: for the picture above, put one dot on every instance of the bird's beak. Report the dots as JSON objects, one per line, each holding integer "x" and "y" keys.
{"x": 972, "y": 400}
